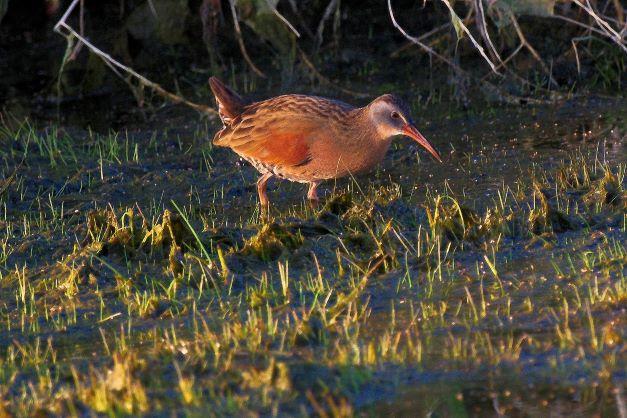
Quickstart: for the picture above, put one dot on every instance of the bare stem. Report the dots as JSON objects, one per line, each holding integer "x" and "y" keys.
{"x": 531, "y": 49}
{"x": 472, "y": 39}
{"x": 240, "y": 41}
{"x": 483, "y": 30}
{"x": 283, "y": 19}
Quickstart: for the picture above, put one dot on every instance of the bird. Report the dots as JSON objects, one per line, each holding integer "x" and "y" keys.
{"x": 310, "y": 139}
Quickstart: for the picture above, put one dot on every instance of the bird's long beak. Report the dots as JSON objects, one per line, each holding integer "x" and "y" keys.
{"x": 411, "y": 131}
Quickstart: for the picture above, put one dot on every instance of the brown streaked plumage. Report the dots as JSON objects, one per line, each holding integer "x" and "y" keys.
{"x": 310, "y": 139}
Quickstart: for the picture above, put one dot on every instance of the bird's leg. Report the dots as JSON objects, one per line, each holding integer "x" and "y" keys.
{"x": 261, "y": 190}
{"x": 312, "y": 194}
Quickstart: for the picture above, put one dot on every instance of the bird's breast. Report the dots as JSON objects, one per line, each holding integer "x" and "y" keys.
{"x": 334, "y": 158}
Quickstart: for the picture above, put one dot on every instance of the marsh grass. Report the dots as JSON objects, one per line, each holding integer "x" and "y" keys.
{"x": 142, "y": 306}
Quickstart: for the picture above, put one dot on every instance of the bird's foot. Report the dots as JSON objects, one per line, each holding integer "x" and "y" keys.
{"x": 312, "y": 194}
{"x": 314, "y": 203}
{"x": 264, "y": 207}
{"x": 261, "y": 191}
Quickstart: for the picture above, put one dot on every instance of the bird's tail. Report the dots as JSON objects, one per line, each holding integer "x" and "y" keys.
{"x": 230, "y": 104}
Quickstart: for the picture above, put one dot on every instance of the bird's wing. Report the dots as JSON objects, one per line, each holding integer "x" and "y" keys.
{"x": 280, "y": 131}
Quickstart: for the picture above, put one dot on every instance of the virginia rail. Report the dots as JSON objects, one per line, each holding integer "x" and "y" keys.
{"x": 309, "y": 139}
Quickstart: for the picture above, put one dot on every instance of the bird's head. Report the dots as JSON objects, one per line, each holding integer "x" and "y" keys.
{"x": 390, "y": 116}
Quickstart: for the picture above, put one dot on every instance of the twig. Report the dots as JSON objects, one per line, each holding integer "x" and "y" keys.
{"x": 577, "y": 23}
{"x": 483, "y": 30}
{"x": 302, "y": 23}
{"x": 282, "y": 18}
{"x": 422, "y": 45}
{"x": 616, "y": 38}
{"x": 426, "y": 35}
{"x": 81, "y": 29}
{"x": 417, "y": 41}
{"x": 240, "y": 41}
{"x": 420, "y": 38}
{"x": 472, "y": 39}
{"x": 115, "y": 65}
{"x": 506, "y": 60}
{"x": 152, "y": 9}
{"x": 574, "y": 44}
{"x": 605, "y": 27}
{"x": 531, "y": 49}
{"x": 327, "y": 13}
{"x": 489, "y": 87}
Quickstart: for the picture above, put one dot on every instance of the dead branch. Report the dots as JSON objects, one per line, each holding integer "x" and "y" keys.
{"x": 418, "y": 42}
{"x": 531, "y": 49}
{"x": 490, "y": 88}
{"x": 506, "y": 60}
{"x": 81, "y": 29}
{"x": 325, "y": 16}
{"x": 282, "y": 18}
{"x": 240, "y": 41}
{"x": 617, "y": 38}
{"x": 301, "y": 21}
{"x": 422, "y": 37}
{"x": 605, "y": 27}
{"x": 577, "y": 23}
{"x": 483, "y": 30}
{"x": 70, "y": 34}
{"x": 472, "y": 39}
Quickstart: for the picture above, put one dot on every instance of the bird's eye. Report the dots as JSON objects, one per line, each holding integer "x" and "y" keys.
{"x": 395, "y": 115}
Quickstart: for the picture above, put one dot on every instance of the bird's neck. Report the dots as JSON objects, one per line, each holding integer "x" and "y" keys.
{"x": 364, "y": 147}
{"x": 361, "y": 118}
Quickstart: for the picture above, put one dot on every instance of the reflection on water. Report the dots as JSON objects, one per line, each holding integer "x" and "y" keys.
{"x": 486, "y": 397}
